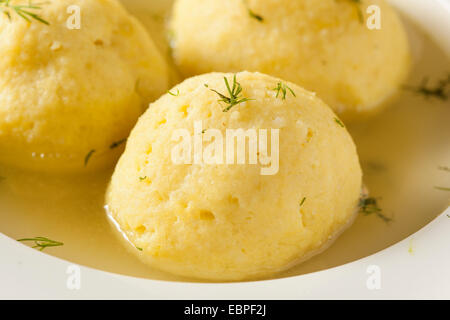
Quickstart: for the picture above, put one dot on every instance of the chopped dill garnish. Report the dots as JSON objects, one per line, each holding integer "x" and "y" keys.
{"x": 255, "y": 16}
{"x": 112, "y": 146}
{"x": 142, "y": 178}
{"x": 117, "y": 143}
{"x": 140, "y": 249}
{"x": 303, "y": 201}
{"x": 443, "y": 168}
{"x": 88, "y": 157}
{"x": 204, "y": 130}
{"x": 440, "y": 90}
{"x": 252, "y": 14}
{"x": 283, "y": 88}
{"x": 442, "y": 188}
{"x": 234, "y": 93}
{"x": 339, "y": 122}
{"x": 42, "y": 242}
{"x": 368, "y": 205}
{"x": 173, "y": 94}
{"x": 21, "y": 10}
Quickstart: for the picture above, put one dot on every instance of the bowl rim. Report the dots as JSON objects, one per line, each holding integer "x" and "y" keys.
{"x": 30, "y": 274}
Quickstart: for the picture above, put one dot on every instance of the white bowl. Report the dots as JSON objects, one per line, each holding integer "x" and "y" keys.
{"x": 396, "y": 272}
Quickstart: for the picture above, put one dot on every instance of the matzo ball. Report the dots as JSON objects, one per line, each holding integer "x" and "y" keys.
{"x": 322, "y": 45}
{"x": 68, "y": 96}
{"x": 227, "y": 220}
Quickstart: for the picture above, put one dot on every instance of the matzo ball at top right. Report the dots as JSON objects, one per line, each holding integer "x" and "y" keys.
{"x": 327, "y": 46}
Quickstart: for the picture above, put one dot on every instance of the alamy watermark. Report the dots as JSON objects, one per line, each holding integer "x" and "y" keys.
{"x": 74, "y": 20}
{"x": 374, "y": 280}
{"x": 73, "y": 281}
{"x": 210, "y": 147}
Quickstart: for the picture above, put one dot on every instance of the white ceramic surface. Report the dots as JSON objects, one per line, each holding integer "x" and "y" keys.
{"x": 417, "y": 267}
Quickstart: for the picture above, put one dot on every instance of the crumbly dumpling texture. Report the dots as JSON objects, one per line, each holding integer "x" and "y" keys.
{"x": 65, "y": 92}
{"x": 323, "y": 46}
{"x": 228, "y": 221}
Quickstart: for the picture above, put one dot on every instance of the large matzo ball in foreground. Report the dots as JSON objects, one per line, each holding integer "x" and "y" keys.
{"x": 226, "y": 221}
{"x": 324, "y": 46}
{"x": 69, "y": 96}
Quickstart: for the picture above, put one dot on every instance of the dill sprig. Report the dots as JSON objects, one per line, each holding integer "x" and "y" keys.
{"x": 339, "y": 122}
{"x": 440, "y": 90}
{"x": 252, "y": 14}
{"x": 42, "y": 242}
{"x": 174, "y": 94}
{"x": 21, "y": 10}
{"x": 255, "y": 16}
{"x": 303, "y": 201}
{"x": 368, "y": 206}
{"x": 117, "y": 143}
{"x": 282, "y": 89}
{"x": 88, "y": 157}
{"x": 112, "y": 146}
{"x": 234, "y": 94}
